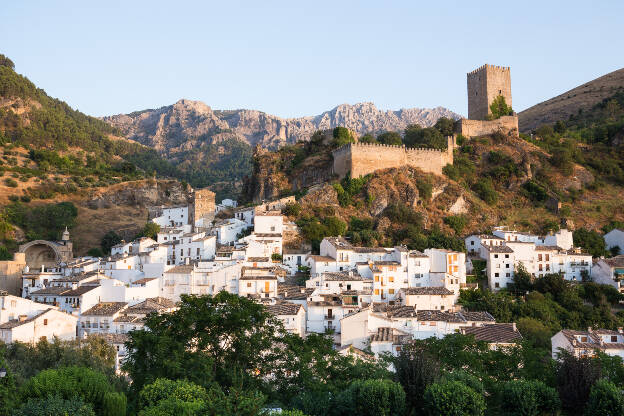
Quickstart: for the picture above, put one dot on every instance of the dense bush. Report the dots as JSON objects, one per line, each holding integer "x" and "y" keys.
{"x": 605, "y": 399}
{"x": 485, "y": 190}
{"x": 529, "y": 398}
{"x": 591, "y": 241}
{"x": 453, "y": 398}
{"x": 45, "y": 222}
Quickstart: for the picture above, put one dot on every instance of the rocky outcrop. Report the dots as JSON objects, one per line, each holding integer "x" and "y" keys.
{"x": 181, "y": 126}
{"x": 145, "y": 193}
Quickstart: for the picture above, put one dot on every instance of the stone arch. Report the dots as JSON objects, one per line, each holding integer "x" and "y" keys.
{"x": 41, "y": 253}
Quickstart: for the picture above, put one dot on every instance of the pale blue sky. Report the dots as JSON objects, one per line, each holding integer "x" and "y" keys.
{"x": 291, "y": 58}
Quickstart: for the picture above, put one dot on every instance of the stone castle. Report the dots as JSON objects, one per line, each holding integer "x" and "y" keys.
{"x": 359, "y": 159}
{"x": 485, "y": 84}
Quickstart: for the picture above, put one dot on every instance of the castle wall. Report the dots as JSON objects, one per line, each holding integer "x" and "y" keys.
{"x": 484, "y": 85}
{"x": 361, "y": 159}
{"x": 472, "y": 128}
{"x": 11, "y": 274}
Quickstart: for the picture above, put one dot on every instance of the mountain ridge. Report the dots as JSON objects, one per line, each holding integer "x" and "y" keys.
{"x": 180, "y": 126}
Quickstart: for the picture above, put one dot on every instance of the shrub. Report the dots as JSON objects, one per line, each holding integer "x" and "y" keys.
{"x": 276, "y": 257}
{"x": 292, "y": 210}
{"x": 390, "y": 138}
{"x": 10, "y": 183}
{"x": 500, "y": 108}
{"x": 425, "y": 189}
{"x": 591, "y": 241}
{"x": 55, "y": 405}
{"x": 534, "y": 191}
{"x": 605, "y": 399}
{"x": 456, "y": 222}
{"x": 529, "y": 398}
{"x": 69, "y": 383}
{"x": 485, "y": 190}
{"x": 453, "y": 398}
{"x": 373, "y": 398}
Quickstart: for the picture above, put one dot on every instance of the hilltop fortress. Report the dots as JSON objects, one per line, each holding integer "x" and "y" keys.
{"x": 360, "y": 159}
{"x": 485, "y": 84}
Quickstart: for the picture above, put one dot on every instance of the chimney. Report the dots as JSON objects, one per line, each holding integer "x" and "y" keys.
{"x": 589, "y": 329}
{"x": 22, "y": 318}
{"x": 513, "y": 325}
{"x": 620, "y": 329}
{"x": 187, "y": 260}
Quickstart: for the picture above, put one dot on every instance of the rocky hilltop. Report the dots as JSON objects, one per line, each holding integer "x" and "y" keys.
{"x": 186, "y": 124}
{"x": 581, "y": 98}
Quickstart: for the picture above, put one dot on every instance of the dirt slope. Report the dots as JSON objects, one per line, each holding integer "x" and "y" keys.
{"x": 562, "y": 106}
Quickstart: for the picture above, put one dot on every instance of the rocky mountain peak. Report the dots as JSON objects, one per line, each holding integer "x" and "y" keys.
{"x": 177, "y": 127}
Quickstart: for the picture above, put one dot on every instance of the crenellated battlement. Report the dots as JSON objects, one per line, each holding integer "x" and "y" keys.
{"x": 483, "y": 67}
{"x": 359, "y": 159}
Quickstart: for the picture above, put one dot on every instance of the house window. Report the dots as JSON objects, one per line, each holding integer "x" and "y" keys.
{"x": 248, "y": 284}
{"x": 495, "y": 256}
{"x": 539, "y": 257}
{"x": 507, "y": 265}
{"x": 495, "y": 274}
{"x": 508, "y": 275}
{"x": 472, "y": 243}
{"x": 392, "y": 278}
{"x": 547, "y": 257}
{"x": 613, "y": 338}
{"x": 376, "y": 291}
{"x": 45, "y": 321}
{"x": 376, "y": 278}
{"x": 391, "y": 291}
{"x": 506, "y": 256}
{"x": 540, "y": 267}
{"x": 496, "y": 284}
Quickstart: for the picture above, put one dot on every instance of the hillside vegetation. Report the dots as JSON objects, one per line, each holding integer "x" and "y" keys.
{"x": 534, "y": 184}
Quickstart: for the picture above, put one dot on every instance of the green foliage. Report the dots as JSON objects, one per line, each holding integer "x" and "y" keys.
{"x": 462, "y": 167}
{"x": 368, "y": 138}
{"x": 5, "y": 61}
{"x": 456, "y": 222}
{"x": 534, "y": 191}
{"x": 292, "y": 210}
{"x": 25, "y": 361}
{"x": 114, "y": 404}
{"x": 11, "y": 183}
{"x": 485, "y": 190}
{"x": 109, "y": 240}
{"x": 415, "y": 369}
{"x": 276, "y": 257}
{"x": 591, "y": 241}
{"x": 150, "y": 230}
{"x": 172, "y": 398}
{"x": 43, "y": 221}
{"x": 232, "y": 336}
{"x": 605, "y": 399}
{"x": 390, "y": 138}
{"x": 452, "y": 399}
{"x": 425, "y": 190}
{"x": 429, "y": 137}
{"x": 374, "y": 398}
{"x": 69, "y": 383}
{"x": 95, "y": 252}
{"x": 499, "y": 108}
{"x": 348, "y": 188}
{"x": 342, "y": 136}
{"x": 445, "y": 125}
{"x": 529, "y": 398}
{"x": 575, "y": 378}
{"x": 55, "y": 406}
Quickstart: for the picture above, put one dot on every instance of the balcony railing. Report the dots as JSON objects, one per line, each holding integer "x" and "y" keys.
{"x": 330, "y": 317}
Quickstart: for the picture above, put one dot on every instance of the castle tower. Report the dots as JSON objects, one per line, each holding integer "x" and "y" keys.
{"x": 484, "y": 85}
{"x": 203, "y": 206}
